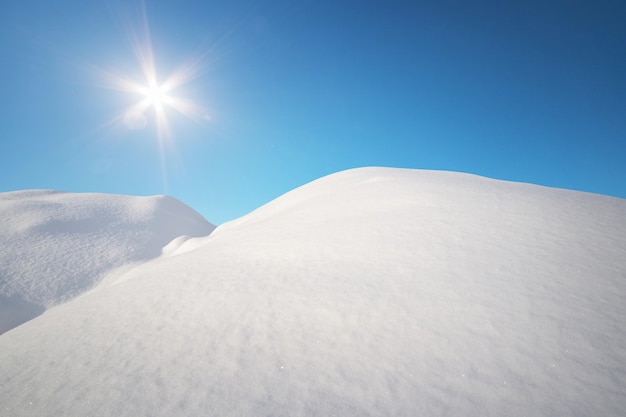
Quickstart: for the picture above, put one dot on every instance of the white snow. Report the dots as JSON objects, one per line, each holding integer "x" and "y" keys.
{"x": 55, "y": 245}
{"x": 370, "y": 292}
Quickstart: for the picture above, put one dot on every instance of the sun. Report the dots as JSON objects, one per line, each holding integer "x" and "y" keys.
{"x": 159, "y": 98}
{"x": 156, "y": 95}
{"x": 152, "y": 95}
{"x": 155, "y": 100}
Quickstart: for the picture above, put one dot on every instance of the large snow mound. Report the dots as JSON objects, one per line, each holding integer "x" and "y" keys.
{"x": 56, "y": 245}
{"x": 371, "y": 292}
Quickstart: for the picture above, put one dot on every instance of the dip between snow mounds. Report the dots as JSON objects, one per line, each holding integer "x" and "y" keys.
{"x": 371, "y": 292}
{"x": 55, "y": 245}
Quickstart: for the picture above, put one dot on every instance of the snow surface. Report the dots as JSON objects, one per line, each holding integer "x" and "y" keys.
{"x": 370, "y": 292}
{"x": 55, "y": 245}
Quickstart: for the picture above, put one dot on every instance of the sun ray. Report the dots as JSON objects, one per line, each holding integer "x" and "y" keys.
{"x": 154, "y": 99}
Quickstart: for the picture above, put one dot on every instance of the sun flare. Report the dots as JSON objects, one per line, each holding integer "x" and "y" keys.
{"x": 155, "y": 100}
{"x": 159, "y": 97}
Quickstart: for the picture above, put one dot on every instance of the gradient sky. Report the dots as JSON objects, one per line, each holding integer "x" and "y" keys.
{"x": 531, "y": 91}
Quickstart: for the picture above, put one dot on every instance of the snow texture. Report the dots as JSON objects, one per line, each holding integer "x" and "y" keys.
{"x": 56, "y": 246}
{"x": 370, "y": 292}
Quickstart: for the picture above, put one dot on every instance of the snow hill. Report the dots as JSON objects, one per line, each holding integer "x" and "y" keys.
{"x": 370, "y": 292}
{"x": 55, "y": 246}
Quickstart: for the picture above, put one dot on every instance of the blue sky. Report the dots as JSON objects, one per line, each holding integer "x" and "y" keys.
{"x": 531, "y": 91}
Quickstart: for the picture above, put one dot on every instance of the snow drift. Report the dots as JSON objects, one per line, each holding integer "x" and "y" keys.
{"x": 368, "y": 292}
{"x": 58, "y": 245}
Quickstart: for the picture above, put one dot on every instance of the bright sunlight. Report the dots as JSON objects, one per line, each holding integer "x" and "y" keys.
{"x": 156, "y": 95}
{"x": 155, "y": 99}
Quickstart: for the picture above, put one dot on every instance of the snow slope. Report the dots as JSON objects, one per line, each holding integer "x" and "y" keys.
{"x": 370, "y": 292}
{"x": 55, "y": 245}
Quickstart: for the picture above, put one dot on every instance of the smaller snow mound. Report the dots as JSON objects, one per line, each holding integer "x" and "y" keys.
{"x": 76, "y": 240}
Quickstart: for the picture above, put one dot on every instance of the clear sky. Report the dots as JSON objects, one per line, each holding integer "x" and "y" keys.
{"x": 287, "y": 91}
